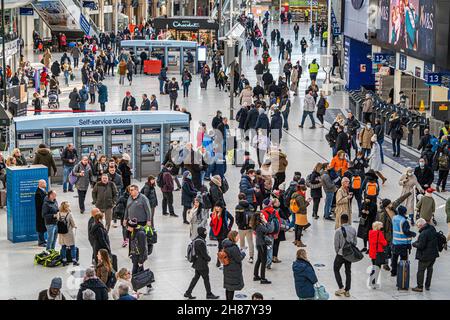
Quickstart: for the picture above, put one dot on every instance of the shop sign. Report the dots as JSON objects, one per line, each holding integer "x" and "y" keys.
{"x": 84, "y": 24}
{"x": 185, "y": 25}
{"x": 433, "y": 79}
{"x": 11, "y": 48}
{"x": 26, "y": 11}
{"x": 402, "y": 62}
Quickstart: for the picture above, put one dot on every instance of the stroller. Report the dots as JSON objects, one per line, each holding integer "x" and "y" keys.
{"x": 53, "y": 99}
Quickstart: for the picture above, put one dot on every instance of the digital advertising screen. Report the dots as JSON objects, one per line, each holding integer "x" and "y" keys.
{"x": 409, "y": 26}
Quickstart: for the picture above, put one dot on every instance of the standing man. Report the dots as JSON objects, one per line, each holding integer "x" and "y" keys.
{"x": 102, "y": 95}
{"x": 173, "y": 88}
{"x": 145, "y": 105}
{"x": 346, "y": 233}
{"x": 41, "y": 193}
{"x": 69, "y": 157}
{"x": 313, "y": 68}
{"x": 162, "y": 79}
{"x": 137, "y": 208}
{"x": 83, "y": 172}
{"x": 259, "y": 70}
{"x": 352, "y": 129}
{"x": 104, "y": 197}
{"x": 308, "y": 109}
{"x": 128, "y": 101}
{"x": 200, "y": 265}
{"x": 401, "y": 242}
{"x": 296, "y": 29}
{"x": 44, "y": 156}
{"x": 167, "y": 189}
{"x": 427, "y": 252}
{"x": 50, "y": 210}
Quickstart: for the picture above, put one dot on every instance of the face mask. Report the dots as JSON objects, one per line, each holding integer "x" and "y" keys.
{"x": 189, "y": 177}
{"x": 422, "y": 164}
{"x": 369, "y": 126}
{"x": 253, "y": 178}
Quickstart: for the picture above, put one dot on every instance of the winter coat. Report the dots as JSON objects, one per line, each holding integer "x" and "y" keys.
{"x": 188, "y": 193}
{"x": 67, "y": 239}
{"x": 426, "y": 207}
{"x": 241, "y": 116}
{"x": 233, "y": 279}
{"x": 74, "y": 100}
{"x": 375, "y": 158}
{"x": 173, "y": 88}
{"x": 424, "y": 176}
{"x": 252, "y": 118}
{"x": 395, "y": 129}
{"x": 339, "y": 240}
{"x": 122, "y": 68}
{"x": 224, "y": 228}
{"x": 315, "y": 185}
{"x": 96, "y": 285}
{"x": 45, "y": 295}
{"x": 304, "y": 278}
{"x": 364, "y": 138}
{"x": 321, "y": 110}
{"x": 377, "y": 242}
{"x": 216, "y": 193}
{"x": 49, "y": 211}
{"x": 83, "y": 182}
{"x": 102, "y": 93}
{"x": 427, "y": 244}
{"x": 138, "y": 208}
{"x": 138, "y": 245}
{"x": 39, "y": 197}
{"x": 44, "y": 156}
{"x": 327, "y": 183}
{"x": 279, "y": 161}
{"x": 125, "y": 172}
{"x": 69, "y": 155}
{"x": 104, "y": 196}
{"x": 197, "y": 217}
{"x": 343, "y": 205}
{"x": 342, "y": 142}
{"x": 246, "y": 186}
{"x": 128, "y": 101}
{"x": 263, "y": 122}
{"x": 99, "y": 237}
{"x": 201, "y": 254}
{"x": 408, "y": 183}
{"x": 150, "y": 192}
{"x": 368, "y": 105}
{"x": 246, "y": 96}
{"x": 308, "y": 103}
{"x": 261, "y": 231}
{"x": 243, "y": 213}
{"x": 369, "y": 212}
{"x": 385, "y": 216}
{"x": 276, "y": 125}
{"x": 116, "y": 179}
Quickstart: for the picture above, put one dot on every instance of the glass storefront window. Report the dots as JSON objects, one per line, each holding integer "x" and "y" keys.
{"x": 11, "y": 32}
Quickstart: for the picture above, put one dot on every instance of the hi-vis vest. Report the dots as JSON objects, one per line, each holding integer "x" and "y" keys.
{"x": 313, "y": 68}
{"x": 445, "y": 132}
{"x": 399, "y": 237}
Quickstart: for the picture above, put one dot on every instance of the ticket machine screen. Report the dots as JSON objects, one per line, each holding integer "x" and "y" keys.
{"x": 117, "y": 149}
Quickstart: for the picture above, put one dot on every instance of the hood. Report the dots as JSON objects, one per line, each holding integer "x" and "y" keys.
{"x": 227, "y": 243}
{"x": 96, "y": 226}
{"x": 43, "y": 151}
{"x": 300, "y": 265}
{"x": 93, "y": 283}
{"x": 244, "y": 203}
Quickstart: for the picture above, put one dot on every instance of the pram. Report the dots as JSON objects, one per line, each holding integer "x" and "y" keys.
{"x": 53, "y": 99}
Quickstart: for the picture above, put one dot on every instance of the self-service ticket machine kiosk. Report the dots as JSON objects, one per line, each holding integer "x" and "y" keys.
{"x": 148, "y": 156}
{"x": 90, "y": 140}
{"x": 57, "y": 140}
{"x": 119, "y": 141}
{"x": 28, "y": 142}
{"x": 180, "y": 134}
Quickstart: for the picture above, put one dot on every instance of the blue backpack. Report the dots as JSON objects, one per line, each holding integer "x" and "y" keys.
{"x": 435, "y": 143}
{"x": 276, "y": 224}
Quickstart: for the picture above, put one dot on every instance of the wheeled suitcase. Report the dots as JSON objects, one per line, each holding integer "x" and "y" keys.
{"x": 69, "y": 255}
{"x": 403, "y": 275}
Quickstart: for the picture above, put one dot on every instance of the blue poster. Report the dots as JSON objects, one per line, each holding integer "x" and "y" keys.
{"x": 402, "y": 62}
{"x": 26, "y": 11}
{"x": 84, "y": 24}
{"x": 21, "y": 186}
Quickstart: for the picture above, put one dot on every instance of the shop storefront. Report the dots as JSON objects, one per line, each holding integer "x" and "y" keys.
{"x": 300, "y": 10}
{"x": 12, "y": 49}
{"x": 199, "y": 29}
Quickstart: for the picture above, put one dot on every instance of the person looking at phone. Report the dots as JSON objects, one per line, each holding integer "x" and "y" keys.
{"x": 343, "y": 202}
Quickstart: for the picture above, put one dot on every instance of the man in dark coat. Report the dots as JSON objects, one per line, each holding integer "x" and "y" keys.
{"x": 44, "y": 156}
{"x": 258, "y": 91}
{"x": 342, "y": 142}
{"x": 128, "y": 101}
{"x": 93, "y": 283}
{"x": 241, "y": 116}
{"x": 217, "y": 119}
{"x": 145, "y": 105}
{"x": 276, "y": 126}
{"x": 200, "y": 265}
{"x": 153, "y": 103}
{"x": 252, "y": 117}
{"x": 424, "y": 174}
{"x": 427, "y": 252}
{"x": 40, "y": 195}
{"x": 267, "y": 78}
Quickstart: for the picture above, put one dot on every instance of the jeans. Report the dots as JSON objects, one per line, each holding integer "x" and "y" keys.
{"x": 337, "y": 265}
{"x": 161, "y": 86}
{"x": 269, "y": 253}
{"x": 173, "y": 103}
{"x": 396, "y": 146}
{"x": 205, "y": 275}
{"x": 73, "y": 252}
{"x": 281, "y": 55}
{"x": 75, "y": 62}
{"x": 329, "y": 196}
{"x": 285, "y": 120}
{"x": 428, "y": 266}
{"x": 122, "y": 79}
{"x": 261, "y": 261}
{"x": 311, "y": 116}
{"x": 41, "y": 238}
{"x": 247, "y": 235}
{"x": 167, "y": 201}
{"x": 185, "y": 89}
{"x": 52, "y": 232}
{"x": 66, "y": 183}
{"x": 81, "y": 198}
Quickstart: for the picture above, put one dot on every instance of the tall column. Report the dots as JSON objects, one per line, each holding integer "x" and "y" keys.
{"x": 115, "y": 13}
{"x": 129, "y": 10}
{"x": 142, "y": 11}
{"x": 397, "y": 85}
{"x": 101, "y": 15}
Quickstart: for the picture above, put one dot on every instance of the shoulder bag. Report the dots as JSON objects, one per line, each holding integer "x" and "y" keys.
{"x": 350, "y": 252}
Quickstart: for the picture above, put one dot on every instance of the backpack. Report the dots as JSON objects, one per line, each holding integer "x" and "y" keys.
{"x": 443, "y": 162}
{"x": 435, "y": 143}
{"x": 190, "y": 254}
{"x": 111, "y": 282}
{"x": 63, "y": 225}
{"x": 276, "y": 223}
{"x": 371, "y": 189}
{"x": 293, "y": 205}
{"x": 48, "y": 258}
{"x": 289, "y": 192}
{"x": 441, "y": 240}
{"x": 223, "y": 257}
{"x": 356, "y": 182}
{"x": 159, "y": 180}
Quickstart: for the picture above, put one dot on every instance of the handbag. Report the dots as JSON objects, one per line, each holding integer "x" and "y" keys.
{"x": 350, "y": 252}
{"x": 320, "y": 293}
{"x": 362, "y": 221}
{"x": 142, "y": 279}
{"x": 380, "y": 257}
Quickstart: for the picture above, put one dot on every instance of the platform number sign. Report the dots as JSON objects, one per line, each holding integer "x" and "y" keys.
{"x": 434, "y": 79}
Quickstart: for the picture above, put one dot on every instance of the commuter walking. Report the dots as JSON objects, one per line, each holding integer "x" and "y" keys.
{"x": 138, "y": 207}
{"x": 44, "y": 156}
{"x": 104, "y": 197}
{"x": 167, "y": 189}
{"x": 188, "y": 193}
{"x": 102, "y": 95}
{"x": 313, "y": 68}
{"x": 85, "y": 177}
{"x": 309, "y": 106}
{"x": 69, "y": 158}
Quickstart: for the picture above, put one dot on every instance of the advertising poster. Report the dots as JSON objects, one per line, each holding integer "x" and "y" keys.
{"x": 426, "y": 27}
{"x": 384, "y": 12}
{"x": 55, "y": 14}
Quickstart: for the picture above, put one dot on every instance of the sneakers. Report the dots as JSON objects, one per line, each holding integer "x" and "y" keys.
{"x": 340, "y": 292}
{"x": 265, "y": 281}
{"x": 347, "y": 294}
{"x": 418, "y": 289}
{"x": 174, "y": 215}
{"x": 75, "y": 263}
{"x": 250, "y": 260}
{"x": 189, "y": 296}
{"x": 64, "y": 263}
{"x": 212, "y": 296}
{"x": 276, "y": 260}
{"x": 269, "y": 267}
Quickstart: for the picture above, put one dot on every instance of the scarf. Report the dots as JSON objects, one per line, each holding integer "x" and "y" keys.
{"x": 216, "y": 224}
{"x": 58, "y": 297}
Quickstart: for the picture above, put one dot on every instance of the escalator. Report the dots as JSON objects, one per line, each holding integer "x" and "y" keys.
{"x": 65, "y": 16}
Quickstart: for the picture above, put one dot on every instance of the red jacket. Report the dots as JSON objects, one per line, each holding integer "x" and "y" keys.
{"x": 377, "y": 242}
{"x": 269, "y": 211}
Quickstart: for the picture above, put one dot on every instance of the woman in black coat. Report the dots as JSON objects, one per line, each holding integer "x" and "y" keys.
{"x": 369, "y": 211}
{"x": 40, "y": 224}
{"x": 125, "y": 170}
{"x": 315, "y": 184}
{"x": 396, "y": 133}
{"x": 321, "y": 109}
{"x": 188, "y": 193}
{"x": 99, "y": 235}
{"x": 215, "y": 190}
{"x": 276, "y": 126}
{"x": 241, "y": 116}
{"x": 232, "y": 273}
{"x": 74, "y": 100}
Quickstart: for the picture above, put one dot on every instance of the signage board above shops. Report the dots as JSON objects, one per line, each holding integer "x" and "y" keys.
{"x": 26, "y": 11}
{"x": 186, "y": 23}
{"x": 11, "y": 48}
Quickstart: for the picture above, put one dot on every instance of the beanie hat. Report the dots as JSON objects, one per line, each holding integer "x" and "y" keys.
{"x": 267, "y": 203}
{"x": 385, "y": 203}
{"x": 132, "y": 223}
{"x": 56, "y": 283}
{"x": 302, "y": 182}
{"x": 402, "y": 210}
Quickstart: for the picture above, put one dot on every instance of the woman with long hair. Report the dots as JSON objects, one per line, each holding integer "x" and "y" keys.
{"x": 304, "y": 276}
{"x": 377, "y": 243}
{"x": 124, "y": 278}
{"x": 197, "y": 217}
{"x": 104, "y": 268}
{"x": 232, "y": 273}
{"x": 67, "y": 240}
{"x": 221, "y": 223}
{"x": 314, "y": 182}
{"x": 260, "y": 226}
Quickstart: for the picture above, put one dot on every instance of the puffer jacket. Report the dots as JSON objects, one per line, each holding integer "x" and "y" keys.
{"x": 232, "y": 273}
{"x": 308, "y": 103}
{"x": 150, "y": 192}
{"x": 44, "y": 156}
{"x": 305, "y": 278}
{"x": 427, "y": 244}
{"x": 246, "y": 186}
{"x": 49, "y": 210}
